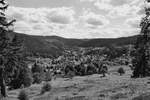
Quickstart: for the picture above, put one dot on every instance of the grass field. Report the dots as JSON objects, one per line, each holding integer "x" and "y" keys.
{"x": 93, "y": 87}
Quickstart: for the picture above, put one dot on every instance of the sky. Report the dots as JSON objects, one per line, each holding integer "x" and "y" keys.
{"x": 77, "y": 18}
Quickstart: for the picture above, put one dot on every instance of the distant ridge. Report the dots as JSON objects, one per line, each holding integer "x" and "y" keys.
{"x": 54, "y": 45}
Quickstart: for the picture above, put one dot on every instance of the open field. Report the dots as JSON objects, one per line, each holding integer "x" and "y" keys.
{"x": 112, "y": 87}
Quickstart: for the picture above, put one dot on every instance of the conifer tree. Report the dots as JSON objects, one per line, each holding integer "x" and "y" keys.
{"x": 141, "y": 61}
{"x": 10, "y": 50}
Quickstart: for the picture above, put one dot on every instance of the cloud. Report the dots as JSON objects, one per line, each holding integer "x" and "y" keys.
{"x": 133, "y": 22}
{"x": 118, "y": 2}
{"x": 123, "y": 11}
{"x": 97, "y": 18}
{"x": 22, "y": 27}
{"x": 100, "y": 4}
{"x": 111, "y": 2}
{"x": 88, "y": 0}
{"x": 41, "y": 20}
{"x": 129, "y": 8}
{"x": 103, "y": 5}
{"x": 61, "y": 15}
{"x": 117, "y": 8}
{"x": 94, "y": 20}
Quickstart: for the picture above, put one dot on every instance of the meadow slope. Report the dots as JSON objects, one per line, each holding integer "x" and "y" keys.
{"x": 93, "y": 87}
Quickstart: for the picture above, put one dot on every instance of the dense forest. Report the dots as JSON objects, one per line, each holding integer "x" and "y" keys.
{"x": 53, "y": 46}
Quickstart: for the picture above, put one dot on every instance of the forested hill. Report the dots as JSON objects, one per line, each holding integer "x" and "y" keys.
{"x": 109, "y": 41}
{"x": 54, "y": 45}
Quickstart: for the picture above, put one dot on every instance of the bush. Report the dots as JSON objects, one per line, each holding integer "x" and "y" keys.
{"x": 46, "y": 88}
{"x": 121, "y": 71}
{"x": 1, "y": 96}
{"x": 24, "y": 78}
{"x": 23, "y": 95}
{"x": 119, "y": 96}
{"x": 28, "y": 79}
{"x": 48, "y": 76}
{"x": 37, "y": 78}
{"x": 71, "y": 74}
{"x": 37, "y": 68}
{"x": 142, "y": 97}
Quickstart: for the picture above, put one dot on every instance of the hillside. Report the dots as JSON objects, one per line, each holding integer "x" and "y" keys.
{"x": 109, "y": 41}
{"x": 92, "y": 87}
{"x": 54, "y": 45}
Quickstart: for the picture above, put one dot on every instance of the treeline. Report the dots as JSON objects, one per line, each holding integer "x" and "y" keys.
{"x": 111, "y": 51}
{"x": 54, "y": 46}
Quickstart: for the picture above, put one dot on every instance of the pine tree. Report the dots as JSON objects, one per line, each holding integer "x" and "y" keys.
{"x": 10, "y": 50}
{"x": 141, "y": 61}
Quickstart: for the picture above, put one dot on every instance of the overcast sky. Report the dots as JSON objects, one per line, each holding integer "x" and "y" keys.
{"x": 77, "y": 18}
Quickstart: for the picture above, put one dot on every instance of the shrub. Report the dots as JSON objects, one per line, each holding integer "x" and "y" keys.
{"x": 1, "y": 96}
{"x": 27, "y": 79}
{"x": 121, "y": 71}
{"x": 24, "y": 78}
{"x": 46, "y": 88}
{"x": 23, "y": 95}
{"x": 37, "y": 68}
{"x": 71, "y": 74}
{"x": 142, "y": 97}
{"x": 37, "y": 78}
{"x": 48, "y": 76}
{"x": 119, "y": 96}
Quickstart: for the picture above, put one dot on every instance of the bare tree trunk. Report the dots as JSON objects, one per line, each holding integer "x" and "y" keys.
{"x": 104, "y": 75}
{"x": 3, "y": 88}
{"x": 2, "y": 83}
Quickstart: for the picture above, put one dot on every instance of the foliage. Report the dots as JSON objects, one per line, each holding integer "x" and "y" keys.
{"x": 1, "y": 97}
{"x": 42, "y": 46}
{"x": 121, "y": 71}
{"x": 38, "y": 73}
{"x": 37, "y": 68}
{"x": 48, "y": 76}
{"x": 119, "y": 96}
{"x": 113, "y": 52}
{"x": 23, "y": 95}
{"x": 10, "y": 50}
{"x": 24, "y": 78}
{"x": 142, "y": 97}
{"x": 91, "y": 69}
{"x": 46, "y": 88}
{"x": 37, "y": 78}
{"x": 142, "y": 49}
